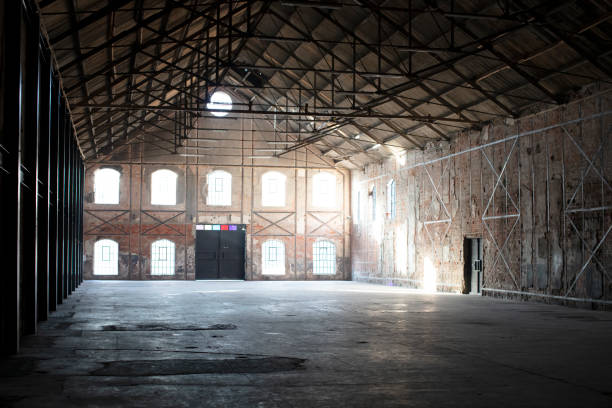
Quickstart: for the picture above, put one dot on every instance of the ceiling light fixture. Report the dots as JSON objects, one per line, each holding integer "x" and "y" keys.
{"x": 477, "y": 16}
{"x": 203, "y": 139}
{"x": 314, "y": 4}
{"x": 425, "y": 50}
{"x": 340, "y": 92}
{"x": 281, "y": 39}
{"x": 380, "y": 75}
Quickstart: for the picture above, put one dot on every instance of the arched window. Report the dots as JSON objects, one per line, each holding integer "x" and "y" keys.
{"x": 273, "y": 189}
{"x": 163, "y": 187}
{"x": 106, "y": 186}
{"x": 220, "y": 104}
{"x": 324, "y": 258}
{"x": 391, "y": 202}
{"x": 162, "y": 257}
{"x": 219, "y": 188}
{"x": 374, "y": 203}
{"x": 324, "y": 190}
{"x": 273, "y": 257}
{"x": 106, "y": 257}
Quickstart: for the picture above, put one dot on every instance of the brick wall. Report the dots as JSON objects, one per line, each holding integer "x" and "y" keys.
{"x": 135, "y": 223}
{"x": 537, "y": 190}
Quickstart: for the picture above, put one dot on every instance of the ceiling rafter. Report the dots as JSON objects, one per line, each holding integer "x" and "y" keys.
{"x": 417, "y": 43}
{"x": 497, "y": 36}
{"x": 567, "y": 39}
{"x": 77, "y": 42}
{"x": 91, "y": 19}
{"x": 298, "y": 81}
{"x": 257, "y": 17}
{"x": 159, "y": 66}
{"x": 371, "y": 83}
{"x": 122, "y": 35}
{"x": 149, "y": 61}
{"x": 526, "y": 75}
{"x": 157, "y": 51}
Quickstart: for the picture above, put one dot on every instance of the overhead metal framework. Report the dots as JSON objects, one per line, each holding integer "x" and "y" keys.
{"x": 341, "y": 75}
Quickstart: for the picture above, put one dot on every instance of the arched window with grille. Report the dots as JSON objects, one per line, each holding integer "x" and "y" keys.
{"x": 162, "y": 257}
{"x": 163, "y": 187}
{"x": 106, "y": 186}
{"x": 324, "y": 258}
{"x": 219, "y": 188}
{"x": 273, "y": 189}
{"x": 391, "y": 199}
{"x": 324, "y": 189}
{"x": 273, "y": 257}
{"x": 106, "y": 257}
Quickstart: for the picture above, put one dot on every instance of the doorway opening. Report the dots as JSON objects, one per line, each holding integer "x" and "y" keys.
{"x": 220, "y": 252}
{"x": 472, "y": 270}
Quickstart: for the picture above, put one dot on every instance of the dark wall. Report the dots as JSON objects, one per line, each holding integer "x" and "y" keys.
{"x": 41, "y": 178}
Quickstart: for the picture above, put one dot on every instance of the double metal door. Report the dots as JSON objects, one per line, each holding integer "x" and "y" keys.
{"x": 220, "y": 254}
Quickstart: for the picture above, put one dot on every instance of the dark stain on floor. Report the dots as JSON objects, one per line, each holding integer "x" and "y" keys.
{"x": 166, "y": 327}
{"x": 248, "y": 365}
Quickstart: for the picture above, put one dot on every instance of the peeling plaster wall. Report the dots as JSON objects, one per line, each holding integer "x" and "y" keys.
{"x": 537, "y": 190}
{"x": 135, "y": 224}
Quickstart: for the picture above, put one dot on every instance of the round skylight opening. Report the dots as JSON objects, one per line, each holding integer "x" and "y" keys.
{"x": 220, "y": 103}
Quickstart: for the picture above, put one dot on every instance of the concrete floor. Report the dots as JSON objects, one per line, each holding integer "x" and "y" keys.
{"x": 307, "y": 344}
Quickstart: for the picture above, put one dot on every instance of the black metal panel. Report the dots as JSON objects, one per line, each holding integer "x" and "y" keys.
{"x": 9, "y": 175}
{"x": 73, "y": 216}
{"x": 53, "y": 195}
{"x": 43, "y": 189}
{"x": 231, "y": 248}
{"x": 29, "y": 181}
{"x": 67, "y": 212}
{"x": 207, "y": 254}
{"x": 61, "y": 180}
{"x": 81, "y": 204}
{"x": 41, "y": 181}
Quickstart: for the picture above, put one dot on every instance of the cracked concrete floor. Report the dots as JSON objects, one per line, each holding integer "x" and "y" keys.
{"x": 307, "y": 344}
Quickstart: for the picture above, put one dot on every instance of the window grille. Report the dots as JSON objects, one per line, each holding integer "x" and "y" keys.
{"x": 106, "y": 186}
{"x": 391, "y": 202}
{"x": 324, "y": 258}
{"x": 106, "y": 257}
{"x": 273, "y": 257}
{"x": 273, "y": 189}
{"x": 163, "y": 187}
{"x": 324, "y": 190}
{"x": 162, "y": 257}
{"x": 219, "y": 188}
